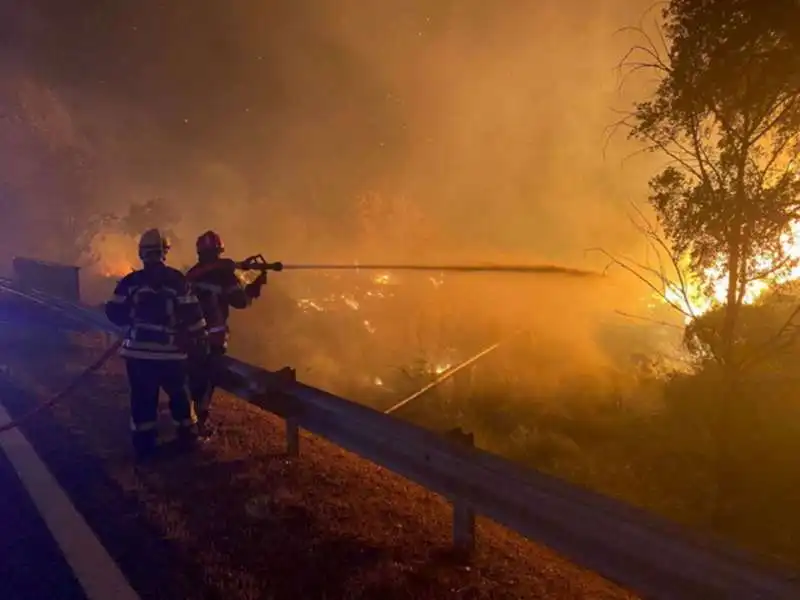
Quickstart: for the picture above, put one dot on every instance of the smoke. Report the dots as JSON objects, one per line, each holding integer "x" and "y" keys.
{"x": 344, "y": 130}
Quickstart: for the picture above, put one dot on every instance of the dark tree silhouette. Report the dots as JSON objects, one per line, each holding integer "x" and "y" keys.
{"x": 726, "y": 113}
{"x": 147, "y": 214}
{"x": 767, "y": 337}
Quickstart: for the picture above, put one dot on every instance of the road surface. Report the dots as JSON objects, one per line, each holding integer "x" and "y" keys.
{"x": 47, "y": 550}
{"x": 32, "y": 566}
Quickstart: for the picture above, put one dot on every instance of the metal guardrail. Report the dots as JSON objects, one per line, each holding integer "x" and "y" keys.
{"x": 57, "y": 279}
{"x": 643, "y": 553}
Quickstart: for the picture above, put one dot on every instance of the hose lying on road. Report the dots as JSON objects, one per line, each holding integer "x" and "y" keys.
{"x": 71, "y": 387}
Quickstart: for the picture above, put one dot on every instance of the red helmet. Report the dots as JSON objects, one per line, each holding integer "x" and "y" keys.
{"x": 210, "y": 241}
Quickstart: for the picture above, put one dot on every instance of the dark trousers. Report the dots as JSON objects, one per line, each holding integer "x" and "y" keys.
{"x": 146, "y": 378}
{"x": 202, "y": 376}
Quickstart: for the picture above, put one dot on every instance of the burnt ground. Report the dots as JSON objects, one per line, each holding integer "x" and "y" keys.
{"x": 239, "y": 520}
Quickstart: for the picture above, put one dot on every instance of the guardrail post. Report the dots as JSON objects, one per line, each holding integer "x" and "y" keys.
{"x": 463, "y": 514}
{"x": 292, "y": 437}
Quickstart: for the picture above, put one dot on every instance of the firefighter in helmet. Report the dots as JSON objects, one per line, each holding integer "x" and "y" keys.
{"x": 215, "y": 283}
{"x": 165, "y": 324}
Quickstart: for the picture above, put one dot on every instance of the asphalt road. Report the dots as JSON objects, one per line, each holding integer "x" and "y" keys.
{"x": 32, "y": 566}
{"x": 32, "y": 563}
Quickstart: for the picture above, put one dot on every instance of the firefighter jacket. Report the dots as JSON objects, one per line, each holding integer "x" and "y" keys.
{"x": 163, "y": 316}
{"x": 219, "y": 288}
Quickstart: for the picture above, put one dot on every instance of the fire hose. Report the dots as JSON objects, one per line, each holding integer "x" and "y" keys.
{"x": 451, "y": 372}
{"x": 66, "y": 391}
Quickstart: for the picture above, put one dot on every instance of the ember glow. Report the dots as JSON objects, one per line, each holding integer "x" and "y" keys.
{"x": 114, "y": 266}
{"x": 379, "y": 287}
{"x": 116, "y": 255}
{"x": 117, "y": 269}
{"x": 368, "y": 297}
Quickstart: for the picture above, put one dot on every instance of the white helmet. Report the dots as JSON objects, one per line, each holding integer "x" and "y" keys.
{"x": 153, "y": 246}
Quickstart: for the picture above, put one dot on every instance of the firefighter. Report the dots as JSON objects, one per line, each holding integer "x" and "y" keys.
{"x": 215, "y": 283}
{"x": 165, "y": 323}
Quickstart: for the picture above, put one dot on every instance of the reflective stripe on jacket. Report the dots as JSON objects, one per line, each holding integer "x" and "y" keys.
{"x": 218, "y": 288}
{"x": 160, "y": 311}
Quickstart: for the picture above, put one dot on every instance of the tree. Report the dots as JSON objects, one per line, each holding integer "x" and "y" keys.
{"x": 726, "y": 115}
{"x": 141, "y": 216}
{"x": 767, "y": 337}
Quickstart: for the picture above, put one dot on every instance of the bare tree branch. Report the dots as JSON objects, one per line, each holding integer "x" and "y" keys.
{"x": 779, "y": 115}
{"x": 648, "y": 319}
{"x": 764, "y": 350}
{"x": 703, "y": 159}
{"x": 658, "y": 242}
{"x": 664, "y": 146}
{"x": 613, "y": 260}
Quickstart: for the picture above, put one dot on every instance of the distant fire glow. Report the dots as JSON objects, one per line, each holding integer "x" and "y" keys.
{"x": 116, "y": 255}
{"x": 693, "y": 302}
{"x": 365, "y": 292}
{"x": 381, "y": 288}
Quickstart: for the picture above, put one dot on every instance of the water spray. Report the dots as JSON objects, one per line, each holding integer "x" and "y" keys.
{"x": 258, "y": 263}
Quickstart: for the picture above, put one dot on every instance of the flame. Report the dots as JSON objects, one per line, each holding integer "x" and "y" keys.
{"x": 117, "y": 255}
{"x": 115, "y": 268}
{"x": 351, "y": 302}
{"x": 307, "y": 304}
{"x": 692, "y": 301}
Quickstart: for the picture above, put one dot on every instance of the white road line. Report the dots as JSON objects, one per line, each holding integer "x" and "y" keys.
{"x": 96, "y": 571}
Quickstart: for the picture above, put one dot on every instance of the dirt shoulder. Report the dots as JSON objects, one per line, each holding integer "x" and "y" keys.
{"x": 239, "y": 520}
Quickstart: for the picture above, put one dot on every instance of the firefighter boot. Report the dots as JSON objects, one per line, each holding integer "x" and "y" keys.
{"x": 203, "y": 427}
{"x": 186, "y": 438}
{"x": 144, "y": 445}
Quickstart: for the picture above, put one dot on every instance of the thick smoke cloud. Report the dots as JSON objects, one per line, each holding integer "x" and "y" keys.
{"x": 332, "y": 130}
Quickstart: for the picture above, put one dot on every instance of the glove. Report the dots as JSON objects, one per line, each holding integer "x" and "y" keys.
{"x": 227, "y": 263}
{"x": 199, "y": 349}
{"x": 253, "y": 288}
{"x": 195, "y": 346}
